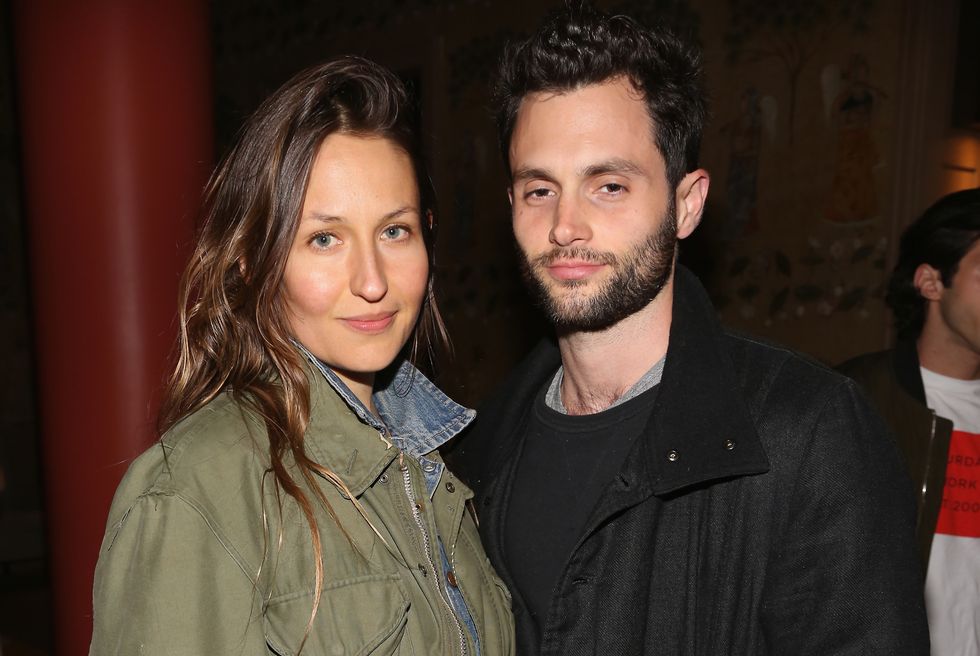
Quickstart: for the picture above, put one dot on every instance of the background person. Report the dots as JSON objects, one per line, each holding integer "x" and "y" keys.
{"x": 652, "y": 483}
{"x": 928, "y": 390}
{"x": 297, "y": 501}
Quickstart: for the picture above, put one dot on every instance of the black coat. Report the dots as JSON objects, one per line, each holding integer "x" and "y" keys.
{"x": 763, "y": 510}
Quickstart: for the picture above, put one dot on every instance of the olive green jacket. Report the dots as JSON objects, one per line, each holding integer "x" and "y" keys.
{"x": 203, "y": 556}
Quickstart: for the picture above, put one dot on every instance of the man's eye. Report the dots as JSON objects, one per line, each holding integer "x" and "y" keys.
{"x": 541, "y": 192}
{"x": 613, "y": 188}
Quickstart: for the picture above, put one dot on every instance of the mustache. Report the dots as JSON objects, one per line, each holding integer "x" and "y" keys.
{"x": 575, "y": 253}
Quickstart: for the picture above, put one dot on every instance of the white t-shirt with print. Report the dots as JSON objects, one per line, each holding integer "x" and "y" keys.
{"x": 953, "y": 576}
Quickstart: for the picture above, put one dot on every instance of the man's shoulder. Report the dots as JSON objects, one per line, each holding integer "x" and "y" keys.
{"x": 792, "y": 397}
{"x": 477, "y": 449}
{"x": 524, "y": 380}
{"x": 761, "y": 364}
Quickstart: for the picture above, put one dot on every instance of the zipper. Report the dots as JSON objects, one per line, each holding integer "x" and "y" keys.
{"x": 427, "y": 548}
{"x": 925, "y": 474}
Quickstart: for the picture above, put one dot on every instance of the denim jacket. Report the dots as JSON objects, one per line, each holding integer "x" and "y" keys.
{"x": 204, "y": 554}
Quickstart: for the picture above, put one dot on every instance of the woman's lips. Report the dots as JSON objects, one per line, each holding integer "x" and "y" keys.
{"x": 370, "y": 323}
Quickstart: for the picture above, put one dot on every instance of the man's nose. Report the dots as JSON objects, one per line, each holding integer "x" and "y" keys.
{"x": 570, "y": 224}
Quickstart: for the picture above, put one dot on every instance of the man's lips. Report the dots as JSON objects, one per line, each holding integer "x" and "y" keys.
{"x": 573, "y": 269}
{"x": 370, "y": 323}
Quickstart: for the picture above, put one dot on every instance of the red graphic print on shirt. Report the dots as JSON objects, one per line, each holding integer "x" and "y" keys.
{"x": 960, "y": 512}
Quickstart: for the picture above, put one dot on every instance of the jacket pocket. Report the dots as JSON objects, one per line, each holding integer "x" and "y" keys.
{"x": 362, "y": 615}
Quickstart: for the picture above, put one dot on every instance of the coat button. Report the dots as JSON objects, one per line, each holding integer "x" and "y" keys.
{"x": 451, "y": 577}
{"x": 673, "y": 455}
{"x": 384, "y": 479}
{"x": 729, "y": 444}
{"x": 450, "y": 487}
{"x": 429, "y": 467}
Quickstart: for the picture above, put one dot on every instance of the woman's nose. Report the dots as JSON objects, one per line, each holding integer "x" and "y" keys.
{"x": 368, "y": 278}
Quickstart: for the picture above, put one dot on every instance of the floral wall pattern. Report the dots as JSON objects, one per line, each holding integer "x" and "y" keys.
{"x": 799, "y": 223}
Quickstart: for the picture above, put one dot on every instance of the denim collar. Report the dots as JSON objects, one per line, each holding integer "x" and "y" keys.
{"x": 415, "y": 415}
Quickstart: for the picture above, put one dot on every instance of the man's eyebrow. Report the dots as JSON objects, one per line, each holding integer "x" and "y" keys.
{"x": 530, "y": 173}
{"x": 614, "y": 165}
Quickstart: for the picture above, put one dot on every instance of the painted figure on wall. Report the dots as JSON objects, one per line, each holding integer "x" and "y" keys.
{"x": 852, "y": 195}
{"x": 745, "y": 140}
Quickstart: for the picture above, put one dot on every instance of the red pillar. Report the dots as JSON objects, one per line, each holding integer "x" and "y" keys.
{"x": 115, "y": 109}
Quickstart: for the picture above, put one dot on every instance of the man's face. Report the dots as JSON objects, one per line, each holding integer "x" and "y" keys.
{"x": 593, "y": 214}
{"x": 959, "y": 305}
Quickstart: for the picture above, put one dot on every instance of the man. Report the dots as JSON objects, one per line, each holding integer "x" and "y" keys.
{"x": 928, "y": 390}
{"x": 652, "y": 484}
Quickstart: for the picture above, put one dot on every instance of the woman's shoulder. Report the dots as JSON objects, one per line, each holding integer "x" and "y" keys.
{"x": 221, "y": 430}
{"x": 220, "y": 447}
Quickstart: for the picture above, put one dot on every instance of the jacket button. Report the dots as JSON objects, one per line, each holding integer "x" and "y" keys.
{"x": 451, "y": 578}
{"x": 729, "y": 444}
{"x": 384, "y": 479}
{"x": 418, "y": 506}
{"x": 429, "y": 467}
{"x": 673, "y": 455}
{"x": 450, "y": 487}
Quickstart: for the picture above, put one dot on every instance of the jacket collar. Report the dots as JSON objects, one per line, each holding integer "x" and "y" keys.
{"x": 700, "y": 429}
{"x": 905, "y": 362}
{"x": 416, "y": 417}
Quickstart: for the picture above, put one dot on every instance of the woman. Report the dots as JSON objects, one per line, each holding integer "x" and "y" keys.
{"x": 296, "y": 501}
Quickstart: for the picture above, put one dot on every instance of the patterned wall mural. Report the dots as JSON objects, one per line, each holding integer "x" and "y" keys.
{"x": 800, "y": 149}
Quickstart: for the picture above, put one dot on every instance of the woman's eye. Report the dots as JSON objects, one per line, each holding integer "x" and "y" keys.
{"x": 395, "y": 232}
{"x": 323, "y": 240}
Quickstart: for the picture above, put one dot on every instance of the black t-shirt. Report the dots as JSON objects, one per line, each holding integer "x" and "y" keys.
{"x": 566, "y": 463}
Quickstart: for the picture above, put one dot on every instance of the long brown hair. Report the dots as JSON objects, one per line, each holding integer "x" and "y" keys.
{"x": 233, "y": 328}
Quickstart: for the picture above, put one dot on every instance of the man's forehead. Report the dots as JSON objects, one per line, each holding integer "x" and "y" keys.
{"x": 584, "y": 127}
{"x": 608, "y": 105}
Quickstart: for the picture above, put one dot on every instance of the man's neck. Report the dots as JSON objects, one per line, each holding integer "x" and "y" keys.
{"x": 599, "y": 367}
{"x": 945, "y": 353}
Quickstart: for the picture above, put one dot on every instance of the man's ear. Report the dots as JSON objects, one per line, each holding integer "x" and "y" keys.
{"x": 690, "y": 199}
{"x": 510, "y": 195}
{"x": 929, "y": 281}
{"x": 430, "y": 218}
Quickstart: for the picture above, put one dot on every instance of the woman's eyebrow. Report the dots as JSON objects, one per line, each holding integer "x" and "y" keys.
{"x": 336, "y": 218}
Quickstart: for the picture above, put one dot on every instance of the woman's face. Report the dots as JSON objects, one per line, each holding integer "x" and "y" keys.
{"x": 358, "y": 270}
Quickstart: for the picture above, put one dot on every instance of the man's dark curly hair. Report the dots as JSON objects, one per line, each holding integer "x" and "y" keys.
{"x": 579, "y": 46}
{"x": 939, "y": 238}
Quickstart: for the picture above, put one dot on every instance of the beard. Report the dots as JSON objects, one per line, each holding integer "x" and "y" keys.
{"x": 638, "y": 277}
